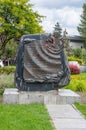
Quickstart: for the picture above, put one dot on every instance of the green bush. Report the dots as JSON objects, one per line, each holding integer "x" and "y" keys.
{"x": 77, "y": 52}
{"x": 80, "y": 87}
{"x": 78, "y": 55}
{"x": 83, "y": 56}
{"x": 6, "y": 78}
{"x": 78, "y": 82}
{"x": 7, "y": 69}
{"x": 6, "y": 81}
{"x": 73, "y": 58}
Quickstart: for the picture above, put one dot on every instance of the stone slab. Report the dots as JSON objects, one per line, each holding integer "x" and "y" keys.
{"x": 62, "y": 96}
{"x": 30, "y": 97}
{"x": 66, "y": 117}
{"x": 63, "y": 111}
{"x": 70, "y": 124}
{"x": 72, "y": 129}
{"x": 11, "y": 96}
{"x": 67, "y": 96}
{"x": 67, "y": 92}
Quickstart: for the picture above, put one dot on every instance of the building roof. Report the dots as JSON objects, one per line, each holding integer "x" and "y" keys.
{"x": 75, "y": 38}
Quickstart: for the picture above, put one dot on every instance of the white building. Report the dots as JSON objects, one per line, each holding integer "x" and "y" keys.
{"x": 76, "y": 42}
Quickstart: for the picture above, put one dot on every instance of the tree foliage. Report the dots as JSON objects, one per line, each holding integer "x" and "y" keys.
{"x": 77, "y": 52}
{"x": 82, "y": 25}
{"x": 17, "y": 18}
{"x": 58, "y": 29}
{"x": 83, "y": 56}
{"x": 66, "y": 43}
{"x": 10, "y": 50}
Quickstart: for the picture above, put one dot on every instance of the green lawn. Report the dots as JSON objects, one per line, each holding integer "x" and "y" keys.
{"x": 81, "y": 108}
{"x": 24, "y": 117}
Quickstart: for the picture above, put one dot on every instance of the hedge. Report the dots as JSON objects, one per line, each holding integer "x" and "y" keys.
{"x": 7, "y": 69}
{"x": 72, "y": 58}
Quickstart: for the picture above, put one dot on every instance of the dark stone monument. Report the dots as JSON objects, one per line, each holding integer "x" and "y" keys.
{"x": 41, "y": 63}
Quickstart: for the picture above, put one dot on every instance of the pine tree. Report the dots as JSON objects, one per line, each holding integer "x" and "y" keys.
{"x": 82, "y": 26}
{"x": 58, "y": 29}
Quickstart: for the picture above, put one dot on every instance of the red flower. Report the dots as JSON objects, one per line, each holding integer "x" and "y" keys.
{"x": 74, "y": 69}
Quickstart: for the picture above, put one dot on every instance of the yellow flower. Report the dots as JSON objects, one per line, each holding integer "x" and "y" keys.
{"x": 77, "y": 77}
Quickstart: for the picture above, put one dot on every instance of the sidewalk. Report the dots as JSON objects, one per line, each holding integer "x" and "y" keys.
{"x": 66, "y": 117}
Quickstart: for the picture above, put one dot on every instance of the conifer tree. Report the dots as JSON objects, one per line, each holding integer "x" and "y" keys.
{"x": 82, "y": 25}
{"x": 58, "y": 29}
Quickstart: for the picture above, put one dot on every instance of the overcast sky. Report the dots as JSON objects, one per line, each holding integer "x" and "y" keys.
{"x": 66, "y": 12}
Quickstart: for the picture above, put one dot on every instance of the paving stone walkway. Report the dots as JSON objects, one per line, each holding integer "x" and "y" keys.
{"x": 66, "y": 117}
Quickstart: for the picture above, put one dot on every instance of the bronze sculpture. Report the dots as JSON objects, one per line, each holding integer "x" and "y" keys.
{"x": 41, "y": 63}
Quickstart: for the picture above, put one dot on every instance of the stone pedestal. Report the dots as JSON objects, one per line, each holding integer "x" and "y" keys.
{"x": 62, "y": 96}
{"x": 11, "y": 96}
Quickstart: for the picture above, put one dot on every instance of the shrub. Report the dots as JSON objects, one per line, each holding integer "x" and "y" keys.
{"x": 80, "y": 87}
{"x": 83, "y": 56}
{"x": 7, "y": 69}
{"x": 6, "y": 78}
{"x": 77, "y": 52}
{"x": 6, "y": 81}
{"x": 73, "y": 58}
{"x": 74, "y": 69}
{"x": 78, "y": 82}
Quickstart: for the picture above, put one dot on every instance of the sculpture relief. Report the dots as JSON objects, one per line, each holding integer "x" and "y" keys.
{"x": 41, "y": 63}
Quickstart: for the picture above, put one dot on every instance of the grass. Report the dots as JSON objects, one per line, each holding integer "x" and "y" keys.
{"x": 78, "y": 82}
{"x": 24, "y": 117}
{"x": 81, "y": 108}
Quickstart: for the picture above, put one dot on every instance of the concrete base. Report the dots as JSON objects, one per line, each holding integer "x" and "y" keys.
{"x": 62, "y": 96}
{"x": 11, "y": 96}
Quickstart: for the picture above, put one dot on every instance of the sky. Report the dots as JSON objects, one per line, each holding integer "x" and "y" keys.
{"x": 66, "y": 12}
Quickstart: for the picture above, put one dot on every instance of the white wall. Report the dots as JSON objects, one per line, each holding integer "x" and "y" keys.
{"x": 75, "y": 45}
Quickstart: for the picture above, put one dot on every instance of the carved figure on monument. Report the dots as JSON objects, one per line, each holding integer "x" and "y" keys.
{"x": 41, "y": 63}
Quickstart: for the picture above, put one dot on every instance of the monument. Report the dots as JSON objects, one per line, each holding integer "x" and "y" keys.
{"x": 41, "y": 70}
{"x": 41, "y": 63}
